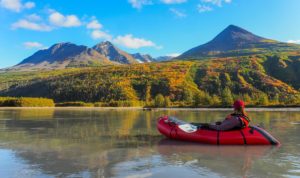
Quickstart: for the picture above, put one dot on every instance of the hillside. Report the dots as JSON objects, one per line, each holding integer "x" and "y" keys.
{"x": 257, "y": 79}
{"x": 235, "y": 41}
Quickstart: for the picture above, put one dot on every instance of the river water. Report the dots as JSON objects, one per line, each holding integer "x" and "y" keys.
{"x": 93, "y": 142}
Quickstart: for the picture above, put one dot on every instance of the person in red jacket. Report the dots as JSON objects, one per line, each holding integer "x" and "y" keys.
{"x": 237, "y": 120}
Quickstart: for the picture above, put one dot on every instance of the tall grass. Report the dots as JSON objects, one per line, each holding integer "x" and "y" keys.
{"x": 26, "y": 102}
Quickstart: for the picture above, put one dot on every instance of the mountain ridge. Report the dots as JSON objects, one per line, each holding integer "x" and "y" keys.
{"x": 236, "y": 41}
{"x": 142, "y": 58}
{"x": 66, "y": 54}
{"x": 233, "y": 41}
{"x": 113, "y": 53}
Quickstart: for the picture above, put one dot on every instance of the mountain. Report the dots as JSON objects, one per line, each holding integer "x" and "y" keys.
{"x": 114, "y": 54}
{"x": 235, "y": 41}
{"x": 142, "y": 58}
{"x": 163, "y": 58}
{"x": 63, "y": 55}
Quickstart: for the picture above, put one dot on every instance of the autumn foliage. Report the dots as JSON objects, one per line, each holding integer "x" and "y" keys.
{"x": 264, "y": 80}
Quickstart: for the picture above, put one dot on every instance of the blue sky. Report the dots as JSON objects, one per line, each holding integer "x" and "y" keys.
{"x": 157, "y": 27}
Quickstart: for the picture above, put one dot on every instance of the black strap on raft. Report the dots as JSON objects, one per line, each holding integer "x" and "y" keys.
{"x": 247, "y": 118}
{"x": 242, "y": 133}
{"x": 242, "y": 124}
{"x": 218, "y": 138}
{"x": 170, "y": 134}
{"x": 251, "y": 130}
{"x": 173, "y": 127}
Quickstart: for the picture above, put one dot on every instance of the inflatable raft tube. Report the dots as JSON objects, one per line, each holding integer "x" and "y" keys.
{"x": 179, "y": 130}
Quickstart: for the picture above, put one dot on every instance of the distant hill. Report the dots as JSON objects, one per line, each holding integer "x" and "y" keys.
{"x": 114, "y": 54}
{"x": 63, "y": 55}
{"x": 235, "y": 41}
{"x": 66, "y": 55}
{"x": 164, "y": 58}
{"x": 231, "y": 42}
{"x": 143, "y": 57}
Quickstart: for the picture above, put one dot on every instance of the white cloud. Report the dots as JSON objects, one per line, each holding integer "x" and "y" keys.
{"x": 16, "y": 5}
{"x": 98, "y": 34}
{"x": 203, "y": 8}
{"x": 293, "y": 41}
{"x": 138, "y": 4}
{"x": 25, "y": 24}
{"x": 131, "y": 42}
{"x": 173, "y": 54}
{"x": 206, "y": 4}
{"x": 61, "y": 20}
{"x": 33, "y": 17}
{"x": 31, "y": 45}
{"x": 56, "y": 19}
{"x": 29, "y": 5}
{"x": 94, "y": 24}
{"x": 126, "y": 40}
{"x": 178, "y": 13}
{"x": 217, "y": 2}
{"x": 173, "y": 1}
{"x": 13, "y": 5}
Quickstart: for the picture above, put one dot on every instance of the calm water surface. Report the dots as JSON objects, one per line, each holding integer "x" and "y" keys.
{"x": 125, "y": 143}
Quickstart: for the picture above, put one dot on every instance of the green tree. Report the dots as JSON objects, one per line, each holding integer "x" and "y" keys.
{"x": 202, "y": 98}
{"x": 216, "y": 100}
{"x": 275, "y": 99}
{"x": 207, "y": 99}
{"x": 297, "y": 99}
{"x": 159, "y": 100}
{"x": 198, "y": 99}
{"x": 148, "y": 94}
{"x": 227, "y": 98}
{"x": 187, "y": 96}
{"x": 292, "y": 99}
{"x": 247, "y": 98}
{"x": 167, "y": 102}
{"x": 263, "y": 100}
